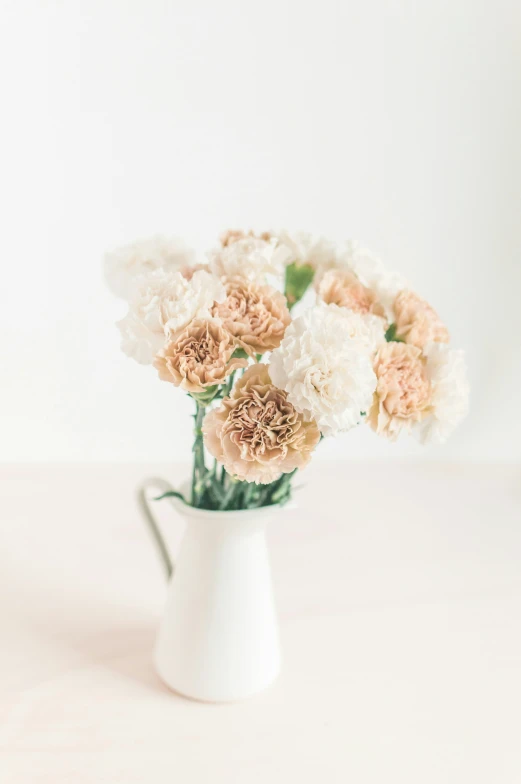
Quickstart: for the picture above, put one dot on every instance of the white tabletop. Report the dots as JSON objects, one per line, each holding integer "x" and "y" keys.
{"x": 399, "y": 591}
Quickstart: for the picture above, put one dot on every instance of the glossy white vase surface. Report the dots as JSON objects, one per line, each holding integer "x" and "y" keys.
{"x": 218, "y": 639}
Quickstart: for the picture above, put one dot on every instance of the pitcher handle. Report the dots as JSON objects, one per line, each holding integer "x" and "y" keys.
{"x": 144, "y": 504}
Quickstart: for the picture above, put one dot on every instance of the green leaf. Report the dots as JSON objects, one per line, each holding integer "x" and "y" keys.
{"x": 391, "y": 332}
{"x": 298, "y": 278}
{"x": 391, "y": 336}
{"x": 206, "y": 397}
{"x": 240, "y": 353}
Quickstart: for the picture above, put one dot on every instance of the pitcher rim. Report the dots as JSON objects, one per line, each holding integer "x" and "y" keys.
{"x": 194, "y": 511}
{"x": 183, "y": 508}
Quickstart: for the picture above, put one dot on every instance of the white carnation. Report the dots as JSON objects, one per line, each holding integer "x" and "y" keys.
{"x": 447, "y": 373}
{"x": 125, "y": 267}
{"x": 249, "y": 258}
{"x": 164, "y": 302}
{"x": 366, "y": 328}
{"x": 324, "y": 364}
{"x": 304, "y": 248}
{"x": 194, "y": 299}
{"x": 140, "y": 339}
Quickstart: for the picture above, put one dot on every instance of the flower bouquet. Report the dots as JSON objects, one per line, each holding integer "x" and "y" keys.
{"x": 281, "y": 340}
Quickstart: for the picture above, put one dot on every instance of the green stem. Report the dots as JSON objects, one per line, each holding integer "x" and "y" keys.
{"x": 248, "y": 492}
{"x": 199, "y": 468}
{"x": 282, "y": 489}
{"x": 263, "y": 496}
{"x": 228, "y": 495}
{"x": 229, "y": 384}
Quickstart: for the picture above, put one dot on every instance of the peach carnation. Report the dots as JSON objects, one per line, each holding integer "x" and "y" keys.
{"x": 342, "y": 287}
{"x": 198, "y": 356}
{"x": 416, "y": 321}
{"x": 256, "y": 315}
{"x": 403, "y": 390}
{"x": 257, "y": 433}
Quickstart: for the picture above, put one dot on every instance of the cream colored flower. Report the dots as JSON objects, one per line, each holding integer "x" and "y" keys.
{"x": 416, "y": 321}
{"x": 189, "y": 272}
{"x": 325, "y": 365}
{"x": 303, "y": 249}
{"x": 403, "y": 393}
{"x": 250, "y": 257}
{"x": 126, "y": 266}
{"x": 195, "y": 299}
{"x": 198, "y": 356}
{"x": 162, "y": 303}
{"x": 447, "y": 374}
{"x": 342, "y": 287}
{"x": 256, "y": 315}
{"x": 257, "y": 434}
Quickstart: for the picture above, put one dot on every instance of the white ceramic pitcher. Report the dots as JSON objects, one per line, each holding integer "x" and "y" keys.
{"x": 218, "y": 639}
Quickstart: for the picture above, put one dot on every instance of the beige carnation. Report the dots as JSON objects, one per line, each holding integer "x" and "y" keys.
{"x": 416, "y": 321}
{"x": 342, "y": 287}
{"x": 257, "y": 433}
{"x": 198, "y": 356}
{"x": 255, "y": 314}
{"x": 403, "y": 390}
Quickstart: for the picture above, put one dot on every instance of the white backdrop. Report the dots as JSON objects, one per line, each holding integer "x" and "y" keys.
{"x": 396, "y": 123}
